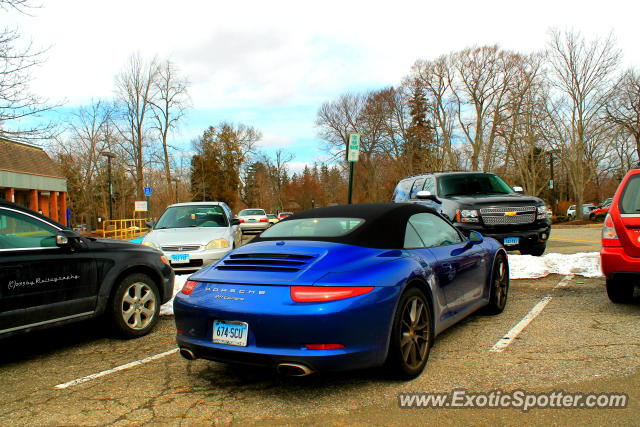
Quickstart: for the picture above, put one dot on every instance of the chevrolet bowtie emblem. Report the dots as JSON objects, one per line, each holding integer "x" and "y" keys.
{"x": 509, "y": 214}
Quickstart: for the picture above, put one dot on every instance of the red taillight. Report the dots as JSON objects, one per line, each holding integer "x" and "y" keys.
{"x": 323, "y": 346}
{"x": 326, "y": 293}
{"x": 264, "y": 220}
{"x": 242, "y": 220}
{"x": 188, "y": 287}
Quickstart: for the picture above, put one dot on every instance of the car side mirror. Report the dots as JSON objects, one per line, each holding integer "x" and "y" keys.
{"x": 426, "y": 195}
{"x": 235, "y": 221}
{"x": 518, "y": 189}
{"x": 67, "y": 239}
{"x": 475, "y": 238}
{"x": 150, "y": 224}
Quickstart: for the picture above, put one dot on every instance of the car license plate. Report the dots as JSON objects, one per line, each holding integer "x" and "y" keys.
{"x": 179, "y": 258}
{"x": 252, "y": 220}
{"x": 229, "y": 332}
{"x": 510, "y": 241}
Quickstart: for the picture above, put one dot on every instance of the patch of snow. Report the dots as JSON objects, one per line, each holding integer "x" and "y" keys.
{"x": 530, "y": 267}
{"x": 520, "y": 266}
{"x": 166, "y": 309}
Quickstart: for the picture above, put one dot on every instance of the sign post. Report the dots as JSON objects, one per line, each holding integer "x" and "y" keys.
{"x": 353, "y": 152}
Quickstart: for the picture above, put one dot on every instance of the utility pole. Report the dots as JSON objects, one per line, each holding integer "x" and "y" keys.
{"x": 109, "y": 156}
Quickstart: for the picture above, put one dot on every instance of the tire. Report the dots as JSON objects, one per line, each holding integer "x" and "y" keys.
{"x": 537, "y": 250}
{"x": 499, "y": 286}
{"x": 619, "y": 292}
{"x": 135, "y": 306}
{"x": 411, "y": 335}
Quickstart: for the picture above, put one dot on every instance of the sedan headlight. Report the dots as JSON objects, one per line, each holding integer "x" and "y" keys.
{"x": 542, "y": 212}
{"x": 467, "y": 215}
{"x": 217, "y": 244}
{"x": 149, "y": 244}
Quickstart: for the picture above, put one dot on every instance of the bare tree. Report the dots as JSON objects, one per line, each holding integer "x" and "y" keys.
{"x": 436, "y": 79}
{"x": 16, "y": 65}
{"x": 623, "y": 108}
{"x": 169, "y": 105}
{"x": 134, "y": 87}
{"x": 581, "y": 77}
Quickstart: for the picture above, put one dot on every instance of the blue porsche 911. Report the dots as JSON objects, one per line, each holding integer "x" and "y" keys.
{"x": 340, "y": 288}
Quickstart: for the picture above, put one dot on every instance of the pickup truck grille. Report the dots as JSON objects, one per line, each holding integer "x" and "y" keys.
{"x": 508, "y": 215}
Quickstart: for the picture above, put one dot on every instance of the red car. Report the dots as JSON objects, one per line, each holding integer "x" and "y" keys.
{"x": 620, "y": 254}
{"x": 603, "y": 209}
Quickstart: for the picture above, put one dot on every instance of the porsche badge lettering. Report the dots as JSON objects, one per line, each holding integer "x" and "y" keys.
{"x": 236, "y": 291}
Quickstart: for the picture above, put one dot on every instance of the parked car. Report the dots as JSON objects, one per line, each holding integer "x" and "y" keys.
{"x": 482, "y": 202}
{"x": 620, "y": 253}
{"x": 51, "y": 275}
{"x": 343, "y": 287}
{"x": 194, "y": 234}
{"x": 272, "y": 218}
{"x": 587, "y": 208}
{"x": 601, "y": 210}
{"x": 253, "y": 220}
{"x": 283, "y": 215}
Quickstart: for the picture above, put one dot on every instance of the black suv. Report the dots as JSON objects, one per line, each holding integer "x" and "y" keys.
{"x": 483, "y": 202}
{"x": 50, "y": 275}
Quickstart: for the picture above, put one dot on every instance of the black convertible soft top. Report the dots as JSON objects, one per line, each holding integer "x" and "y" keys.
{"x": 384, "y": 226}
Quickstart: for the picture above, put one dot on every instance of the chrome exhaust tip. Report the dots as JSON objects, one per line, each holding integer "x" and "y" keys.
{"x": 187, "y": 354}
{"x": 294, "y": 370}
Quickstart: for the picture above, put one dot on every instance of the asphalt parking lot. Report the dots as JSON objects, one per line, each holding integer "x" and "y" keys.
{"x": 579, "y": 342}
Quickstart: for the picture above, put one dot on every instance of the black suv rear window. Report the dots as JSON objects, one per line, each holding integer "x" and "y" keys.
{"x": 478, "y": 183}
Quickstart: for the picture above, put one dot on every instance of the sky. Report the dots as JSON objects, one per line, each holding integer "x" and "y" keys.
{"x": 271, "y": 65}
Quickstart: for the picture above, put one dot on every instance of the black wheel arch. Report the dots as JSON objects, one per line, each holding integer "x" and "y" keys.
{"x": 113, "y": 278}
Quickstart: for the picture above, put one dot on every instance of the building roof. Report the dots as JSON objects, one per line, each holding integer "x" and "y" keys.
{"x": 27, "y": 159}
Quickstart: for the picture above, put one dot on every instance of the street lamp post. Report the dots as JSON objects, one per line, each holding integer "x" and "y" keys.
{"x": 109, "y": 156}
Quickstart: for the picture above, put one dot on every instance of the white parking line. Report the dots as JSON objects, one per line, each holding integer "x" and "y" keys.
{"x": 513, "y": 333}
{"x": 116, "y": 369}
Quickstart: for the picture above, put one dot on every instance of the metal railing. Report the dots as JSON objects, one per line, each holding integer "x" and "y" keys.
{"x": 124, "y": 229}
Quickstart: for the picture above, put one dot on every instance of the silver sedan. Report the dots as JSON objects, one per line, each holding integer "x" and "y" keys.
{"x": 193, "y": 235}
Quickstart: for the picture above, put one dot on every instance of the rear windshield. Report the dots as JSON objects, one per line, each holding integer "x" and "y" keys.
{"x": 467, "y": 184}
{"x": 251, "y": 212}
{"x": 313, "y": 227}
{"x": 630, "y": 200}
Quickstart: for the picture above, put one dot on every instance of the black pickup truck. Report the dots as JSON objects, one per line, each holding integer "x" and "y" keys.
{"x": 483, "y": 202}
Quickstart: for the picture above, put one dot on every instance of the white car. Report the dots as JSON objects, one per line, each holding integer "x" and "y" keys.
{"x": 253, "y": 220}
{"x": 193, "y": 235}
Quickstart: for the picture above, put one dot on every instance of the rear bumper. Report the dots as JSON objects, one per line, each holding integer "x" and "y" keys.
{"x": 532, "y": 235}
{"x": 254, "y": 226}
{"x": 279, "y": 328}
{"x": 615, "y": 261}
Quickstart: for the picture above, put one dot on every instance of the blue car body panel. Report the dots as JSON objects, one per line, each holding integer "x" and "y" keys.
{"x": 252, "y": 284}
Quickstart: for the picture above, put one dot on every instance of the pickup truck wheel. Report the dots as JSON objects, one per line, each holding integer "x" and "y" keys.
{"x": 619, "y": 292}
{"x": 135, "y": 305}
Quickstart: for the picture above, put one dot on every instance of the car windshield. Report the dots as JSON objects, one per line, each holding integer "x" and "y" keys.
{"x": 248, "y": 212}
{"x": 468, "y": 184}
{"x": 192, "y": 216}
{"x": 313, "y": 227}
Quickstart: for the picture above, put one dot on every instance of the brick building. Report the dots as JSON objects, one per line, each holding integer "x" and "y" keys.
{"x": 30, "y": 178}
